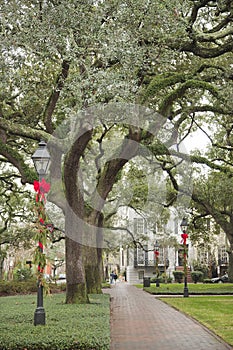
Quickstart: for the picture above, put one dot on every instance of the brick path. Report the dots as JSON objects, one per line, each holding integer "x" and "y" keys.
{"x": 141, "y": 321}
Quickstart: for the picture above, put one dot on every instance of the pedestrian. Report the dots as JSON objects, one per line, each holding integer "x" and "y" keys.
{"x": 112, "y": 277}
{"x": 115, "y": 277}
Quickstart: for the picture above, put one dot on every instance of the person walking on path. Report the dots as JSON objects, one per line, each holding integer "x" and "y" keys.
{"x": 140, "y": 321}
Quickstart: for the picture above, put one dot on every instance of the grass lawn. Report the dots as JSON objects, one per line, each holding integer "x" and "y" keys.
{"x": 199, "y": 288}
{"x": 85, "y": 326}
{"x": 215, "y": 312}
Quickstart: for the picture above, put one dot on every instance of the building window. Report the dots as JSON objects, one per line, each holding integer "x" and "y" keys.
{"x": 163, "y": 255}
{"x": 139, "y": 226}
{"x": 223, "y": 256}
{"x": 140, "y": 256}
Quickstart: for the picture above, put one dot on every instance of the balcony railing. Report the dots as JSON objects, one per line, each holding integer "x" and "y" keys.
{"x": 149, "y": 263}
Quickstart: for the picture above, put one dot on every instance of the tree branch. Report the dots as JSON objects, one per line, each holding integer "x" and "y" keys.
{"x": 55, "y": 96}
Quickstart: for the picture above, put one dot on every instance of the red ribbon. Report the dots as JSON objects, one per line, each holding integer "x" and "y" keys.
{"x": 41, "y": 188}
{"x": 184, "y": 237}
{"x": 156, "y": 252}
{"x": 40, "y": 269}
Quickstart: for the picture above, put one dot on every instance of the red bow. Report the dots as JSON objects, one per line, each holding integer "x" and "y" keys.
{"x": 156, "y": 253}
{"x": 184, "y": 237}
{"x": 41, "y": 187}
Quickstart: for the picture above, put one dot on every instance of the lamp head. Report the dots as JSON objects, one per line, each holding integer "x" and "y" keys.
{"x": 41, "y": 159}
{"x": 184, "y": 224}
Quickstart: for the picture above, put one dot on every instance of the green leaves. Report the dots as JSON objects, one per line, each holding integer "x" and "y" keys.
{"x": 68, "y": 327}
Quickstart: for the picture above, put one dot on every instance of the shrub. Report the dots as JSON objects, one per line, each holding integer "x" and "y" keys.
{"x": 169, "y": 280}
{"x": 178, "y": 275}
{"x": 23, "y": 274}
{"x": 197, "y": 276}
{"x": 161, "y": 278}
{"x": 8, "y": 288}
{"x": 207, "y": 280}
{"x": 16, "y": 287}
{"x": 200, "y": 267}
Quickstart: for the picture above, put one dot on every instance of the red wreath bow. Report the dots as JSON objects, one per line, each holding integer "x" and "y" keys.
{"x": 184, "y": 237}
{"x": 41, "y": 187}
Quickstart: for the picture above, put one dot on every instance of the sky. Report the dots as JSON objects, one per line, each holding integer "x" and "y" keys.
{"x": 197, "y": 140}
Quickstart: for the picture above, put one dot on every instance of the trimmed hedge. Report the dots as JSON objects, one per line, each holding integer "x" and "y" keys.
{"x": 178, "y": 275}
{"x": 197, "y": 276}
{"x": 68, "y": 326}
{"x": 161, "y": 279}
{"x": 8, "y": 288}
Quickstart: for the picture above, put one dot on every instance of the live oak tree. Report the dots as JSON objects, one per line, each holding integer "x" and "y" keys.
{"x": 60, "y": 57}
{"x": 214, "y": 108}
{"x": 212, "y": 193}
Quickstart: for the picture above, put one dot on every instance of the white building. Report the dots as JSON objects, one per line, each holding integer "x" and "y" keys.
{"x": 138, "y": 245}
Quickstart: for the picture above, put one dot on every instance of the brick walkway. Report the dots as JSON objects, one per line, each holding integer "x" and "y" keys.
{"x": 141, "y": 321}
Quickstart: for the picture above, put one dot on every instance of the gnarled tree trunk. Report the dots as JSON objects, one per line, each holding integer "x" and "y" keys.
{"x": 93, "y": 256}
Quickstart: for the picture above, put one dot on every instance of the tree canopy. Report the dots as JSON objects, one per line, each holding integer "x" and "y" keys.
{"x": 62, "y": 57}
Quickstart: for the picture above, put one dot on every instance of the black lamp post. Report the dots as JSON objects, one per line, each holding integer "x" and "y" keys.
{"x": 156, "y": 252}
{"x": 184, "y": 236}
{"x": 41, "y": 160}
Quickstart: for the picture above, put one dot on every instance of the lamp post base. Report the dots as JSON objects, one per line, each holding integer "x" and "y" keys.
{"x": 39, "y": 316}
{"x": 186, "y": 292}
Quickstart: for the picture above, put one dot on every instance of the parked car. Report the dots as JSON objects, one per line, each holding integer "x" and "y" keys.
{"x": 221, "y": 279}
{"x": 61, "y": 279}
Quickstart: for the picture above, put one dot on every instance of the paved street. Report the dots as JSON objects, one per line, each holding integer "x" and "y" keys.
{"x": 141, "y": 321}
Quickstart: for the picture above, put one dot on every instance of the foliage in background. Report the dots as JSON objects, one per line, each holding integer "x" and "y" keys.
{"x": 8, "y": 288}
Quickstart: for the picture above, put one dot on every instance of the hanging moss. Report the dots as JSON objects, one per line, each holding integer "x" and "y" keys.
{"x": 180, "y": 91}
{"x": 159, "y": 148}
{"x": 28, "y": 174}
{"x": 160, "y": 82}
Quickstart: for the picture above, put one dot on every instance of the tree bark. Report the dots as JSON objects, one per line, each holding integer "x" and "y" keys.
{"x": 76, "y": 291}
{"x": 230, "y": 268}
{"x": 93, "y": 256}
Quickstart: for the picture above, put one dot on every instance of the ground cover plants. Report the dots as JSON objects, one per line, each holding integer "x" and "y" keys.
{"x": 217, "y": 315}
{"x": 68, "y": 326}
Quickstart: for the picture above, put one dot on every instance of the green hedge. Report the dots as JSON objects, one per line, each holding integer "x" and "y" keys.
{"x": 161, "y": 279}
{"x": 17, "y": 287}
{"x": 8, "y": 288}
{"x": 197, "y": 276}
{"x": 68, "y": 327}
{"x": 178, "y": 275}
